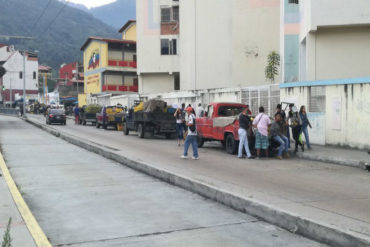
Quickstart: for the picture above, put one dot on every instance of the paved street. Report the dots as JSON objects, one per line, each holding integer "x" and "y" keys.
{"x": 82, "y": 199}
{"x": 331, "y": 194}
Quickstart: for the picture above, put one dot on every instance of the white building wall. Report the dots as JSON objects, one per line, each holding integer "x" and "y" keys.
{"x": 346, "y": 117}
{"x": 14, "y": 65}
{"x": 156, "y": 83}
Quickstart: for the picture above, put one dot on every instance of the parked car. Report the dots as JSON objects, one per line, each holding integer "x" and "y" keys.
{"x": 56, "y": 116}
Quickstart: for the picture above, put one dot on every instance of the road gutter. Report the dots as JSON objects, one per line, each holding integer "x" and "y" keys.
{"x": 287, "y": 220}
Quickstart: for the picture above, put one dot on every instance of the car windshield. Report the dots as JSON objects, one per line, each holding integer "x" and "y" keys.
{"x": 57, "y": 112}
{"x": 230, "y": 111}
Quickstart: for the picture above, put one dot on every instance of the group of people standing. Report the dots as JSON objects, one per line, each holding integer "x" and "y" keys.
{"x": 279, "y": 130}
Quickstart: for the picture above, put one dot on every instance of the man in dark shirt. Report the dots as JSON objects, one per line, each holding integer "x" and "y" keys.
{"x": 244, "y": 125}
{"x": 275, "y": 132}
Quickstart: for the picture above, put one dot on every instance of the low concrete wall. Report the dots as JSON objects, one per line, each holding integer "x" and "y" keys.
{"x": 346, "y": 117}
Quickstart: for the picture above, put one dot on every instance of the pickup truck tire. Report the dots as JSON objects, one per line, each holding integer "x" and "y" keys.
{"x": 200, "y": 141}
{"x": 231, "y": 144}
{"x": 140, "y": 131}
{"x": 126, "y": 131}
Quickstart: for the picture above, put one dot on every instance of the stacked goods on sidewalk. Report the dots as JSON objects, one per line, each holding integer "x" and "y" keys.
{"x": 150, "y": 118}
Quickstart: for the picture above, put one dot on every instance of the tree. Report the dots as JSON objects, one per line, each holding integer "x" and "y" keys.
{"x": 272, "y": 67}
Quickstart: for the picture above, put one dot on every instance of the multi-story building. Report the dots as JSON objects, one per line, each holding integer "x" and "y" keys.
{"x": 205, "y": 45}
{"x": 13, "y": 61}
{"x": 110, "y": 65}
{"x": 71, "y": 79}
{"x": 191, "y": 45}
{"x": 326, "y": 61}
{"x": 128, "y": 30}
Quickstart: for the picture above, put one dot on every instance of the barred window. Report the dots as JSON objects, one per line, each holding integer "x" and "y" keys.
{"x": 165, "y": 14}
{"x": 317, "y": 99}
{"x": 293, "y": 1}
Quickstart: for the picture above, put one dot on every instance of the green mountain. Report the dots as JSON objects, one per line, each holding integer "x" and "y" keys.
{"x": 59, "y": 30}
{"x": 117, "y": 13}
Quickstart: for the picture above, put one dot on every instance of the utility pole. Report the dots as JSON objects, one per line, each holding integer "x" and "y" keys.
{"x": 24, "y": 84}
{"x": 10, "y": 88}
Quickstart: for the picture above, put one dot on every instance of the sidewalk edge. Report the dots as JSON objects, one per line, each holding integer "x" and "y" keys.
{"x": 287, "y": 220}
{"x": 37, "y": 233}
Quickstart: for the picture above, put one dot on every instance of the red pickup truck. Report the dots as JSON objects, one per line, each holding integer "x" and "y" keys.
{"x": 221, "y": 123}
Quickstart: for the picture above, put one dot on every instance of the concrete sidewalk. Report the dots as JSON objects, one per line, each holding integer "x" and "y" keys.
{"x": 19, "y": 231}
{"x": 322, "y": 201}
{"x": 337, "y": 155}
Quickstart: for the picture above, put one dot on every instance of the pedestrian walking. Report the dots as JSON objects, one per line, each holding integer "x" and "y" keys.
{"x": 191, "y": 138}
{"x": 276, "y": 134}
{"x": 76, "y": 111}
{"x": 184, "y": 117}
{"x": 261, "y": 123}
{"x": 290, "y": 115}
{"x": 305, "y": 124}
{"x": 249, "y": 113}
{"x": 296, "y": 124}
{"x": 179, "y": 126}
{"x": 244, "y": 125}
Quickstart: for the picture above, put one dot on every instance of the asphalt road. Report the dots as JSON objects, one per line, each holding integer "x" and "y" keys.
{"x": 82, "y": 199}
{"x": 327, "y": 193}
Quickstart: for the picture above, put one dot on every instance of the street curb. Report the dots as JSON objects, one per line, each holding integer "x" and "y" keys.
{"x": 30, "y": 221}
{"x": 287, "y": 220}
{"x": 333, "y": 160}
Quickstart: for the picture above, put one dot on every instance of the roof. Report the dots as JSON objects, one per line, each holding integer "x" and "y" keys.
{"x": 2, "y": 45}
{"x": 108, "y": 40}
{"x": 44, "y": 67}
{"x": 128, "y": 23}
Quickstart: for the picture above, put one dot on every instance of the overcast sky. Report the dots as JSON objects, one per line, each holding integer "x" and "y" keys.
{"x": 92, "y": 3}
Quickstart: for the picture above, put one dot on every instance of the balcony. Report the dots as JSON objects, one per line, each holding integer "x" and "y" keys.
{"x": 117, "y": 88}
{"x": 119, "y": 63}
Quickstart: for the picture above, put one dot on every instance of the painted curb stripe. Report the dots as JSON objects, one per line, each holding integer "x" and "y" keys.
{"x": 30, "y": 221}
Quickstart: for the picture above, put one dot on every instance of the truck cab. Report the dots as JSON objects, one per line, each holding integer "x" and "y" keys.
{"x": 221, "y": 123}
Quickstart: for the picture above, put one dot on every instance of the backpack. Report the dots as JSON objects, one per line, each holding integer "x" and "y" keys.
{"x": 194, "y": 126}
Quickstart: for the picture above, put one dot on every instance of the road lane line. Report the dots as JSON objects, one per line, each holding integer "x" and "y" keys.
{"x": 37, "y": 233}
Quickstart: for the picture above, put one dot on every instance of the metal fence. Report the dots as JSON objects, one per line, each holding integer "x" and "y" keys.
{"x": 9, "y": 111}
{"x": 266, "y": 96}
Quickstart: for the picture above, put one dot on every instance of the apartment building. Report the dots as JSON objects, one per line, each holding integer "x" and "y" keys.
{"x": 204, "y": 45}
{"x": 326, "y": 65}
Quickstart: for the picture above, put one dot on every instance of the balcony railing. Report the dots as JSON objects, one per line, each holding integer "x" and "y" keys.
{"x": 117, "y": 88}
{"x": 119, "y": 63}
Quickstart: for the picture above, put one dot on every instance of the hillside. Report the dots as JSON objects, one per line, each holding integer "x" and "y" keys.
{"x": 58, "y": 43}
{"x": 117, "y": 13}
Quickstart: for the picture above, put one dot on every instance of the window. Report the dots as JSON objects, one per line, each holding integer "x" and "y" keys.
{"x": 169, "y": 14}
{"x": 165, "y": 14}
{"x": 175, "y": 13}
{"x": 177, "y": 81}
{"x": 34, "y": 75}
{"x": 293, "y": 1}
{"x": 20, "y": 74}
{"x": 317, "y": 99}
{"x": 168, "y": 46}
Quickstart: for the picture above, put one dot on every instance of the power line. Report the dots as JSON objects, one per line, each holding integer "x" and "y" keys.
{"x": 57, "y": 15}
{"x": 40, "y": 16}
